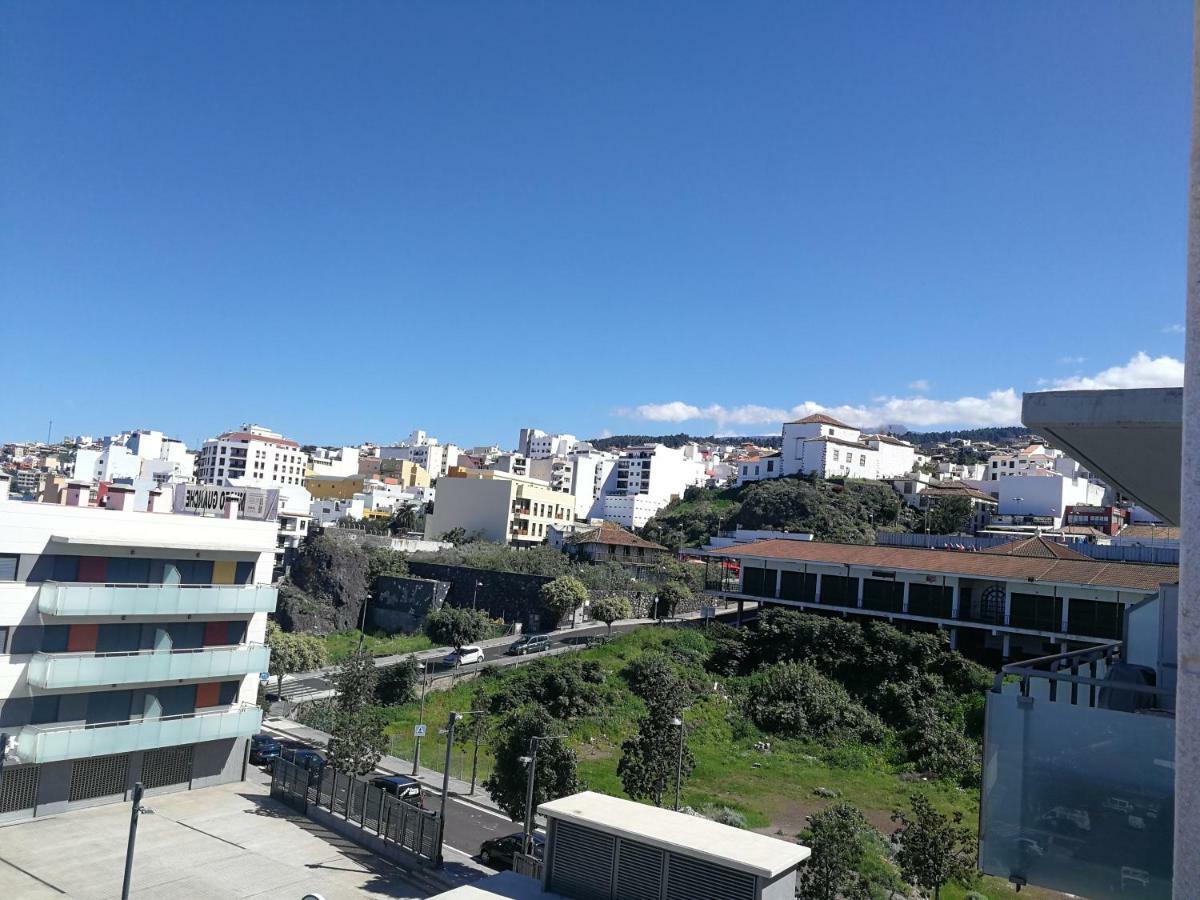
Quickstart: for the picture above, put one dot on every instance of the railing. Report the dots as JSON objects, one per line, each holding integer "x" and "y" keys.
{"x": 70, "y": 670}
{"x": 372, "y": 811}
{"x": 57, "y": 598}
{"x": 1078, "y": 778}
{"x": 74, "y": 740}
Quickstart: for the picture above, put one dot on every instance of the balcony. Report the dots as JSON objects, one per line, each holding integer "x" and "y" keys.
{"x": 62, "y": 599}
{"x": 57, "y": 742}
{"x": 1079, "y": 776}
{"x": 56, "y": 671}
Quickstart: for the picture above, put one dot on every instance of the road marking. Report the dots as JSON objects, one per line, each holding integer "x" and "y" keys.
{"x": 446, "y": 846}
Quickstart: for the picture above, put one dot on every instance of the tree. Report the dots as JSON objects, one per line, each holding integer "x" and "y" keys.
{"x": 454, "y": 626}
{"x": 293, "y": 652}
{"x": 556, "y": 775}
{"x": 657, "y": 680}
{"x": 650, "y": 756}
{"x": 670, "y": 595}
{"x": 358, "y": 740}
{"x": 562, "y": 595}
{"x": 933, "y": 849}
{"x": 404, "y": 519}
{"x": 796, "y": 700}
{"x": 951, "y": 515}
{"x": 385, "y": 562}
{"x": 356, "y": 680}
{"x": 398, "y": 683}
{"x": 610, "y": 609}
{"x": 839, "y": 838}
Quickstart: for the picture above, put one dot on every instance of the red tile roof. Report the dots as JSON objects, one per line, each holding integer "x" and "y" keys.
{"x": 1095, "y": 573}
{"x": 958, "y": 489}
{"x": 614, "y": 534}
{"x": 820, "y": 419}
{"x": 1037, "y": 547}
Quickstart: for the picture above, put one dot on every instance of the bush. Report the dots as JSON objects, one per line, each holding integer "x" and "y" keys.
{"x": 795, "y": 700}
{"x": 566, "y": 688}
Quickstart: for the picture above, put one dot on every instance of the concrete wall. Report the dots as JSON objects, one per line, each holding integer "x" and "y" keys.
{"x": 511, "y": 596}
{"x": 402, "y": 603}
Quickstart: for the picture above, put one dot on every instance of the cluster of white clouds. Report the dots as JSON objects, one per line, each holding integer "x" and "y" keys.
{"x": 998, "y": 407}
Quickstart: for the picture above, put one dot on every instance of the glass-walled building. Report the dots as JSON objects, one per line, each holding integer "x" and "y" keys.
{"x": 131, "y": 645}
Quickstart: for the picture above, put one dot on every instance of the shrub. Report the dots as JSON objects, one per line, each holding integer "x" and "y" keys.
{"x": 795, "y": 700}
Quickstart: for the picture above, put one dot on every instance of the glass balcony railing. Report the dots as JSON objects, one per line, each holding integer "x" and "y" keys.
{"x": 61, "y": 741}
{"x": 61, "y": 599}
{"x": 74, "y": 670}
{"x": 1079, "y": 777}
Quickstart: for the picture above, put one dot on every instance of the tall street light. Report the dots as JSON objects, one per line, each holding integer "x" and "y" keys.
{"x": 475, "y": 593}
{"x": 678, "y": 723}
{"x": 530, "y": 763}
{"x": 418, "y": 730}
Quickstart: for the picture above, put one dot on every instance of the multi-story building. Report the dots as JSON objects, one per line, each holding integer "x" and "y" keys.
{"x": 133, "y": 455}
{"x": 1026, "y": 598}
{"x": 130, "y": 649}
{"x": 503, "y": 508}
{"x": 253, "y": 457}
{"x": 609, "y": 542}
{"x": 537, "y": 444}
{"x": 436, "y": 459}
{"x": 759, "y": 468}
{"x": 647, "y": 479}
{"x": 593, "y": 472}
{"x": 557, "y": 471}
{"x": 335, "y": 463}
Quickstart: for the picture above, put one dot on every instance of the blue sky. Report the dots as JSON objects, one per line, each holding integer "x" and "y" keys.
{"x": 349, "y": 220}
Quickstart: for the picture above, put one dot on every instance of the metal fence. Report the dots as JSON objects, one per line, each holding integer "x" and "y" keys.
{"x": 374, "y": 810}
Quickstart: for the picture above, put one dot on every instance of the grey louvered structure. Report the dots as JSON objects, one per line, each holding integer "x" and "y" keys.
{"x": 605, "y": 848}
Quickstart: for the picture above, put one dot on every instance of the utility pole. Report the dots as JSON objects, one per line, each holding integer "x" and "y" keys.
{"x": 417, "y": 749}
{"x": 531, "y": 773}
{"x": 678, "y": 722}
{"x": 475, "y": 761}
{"x": 138, "y": 790}
{"x": 454, "y": 717}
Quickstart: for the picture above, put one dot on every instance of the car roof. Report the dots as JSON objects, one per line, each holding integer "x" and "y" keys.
{"x": 398, "y": 779}
{"x": 468, "y": 649}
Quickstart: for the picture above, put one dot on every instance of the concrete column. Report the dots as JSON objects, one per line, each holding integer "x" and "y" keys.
{"x": 953, "y": 638}
{"x": 955, "y": 597}
{"x": 1187, "y": 690}
{"x": 1007, "y": 614}
{"x": 818, "y": 588}
{"x": 1006, "y": 652}
{"x": 861, "y": 582}
{"x": 904, "y": 600}
{"x": 778, "y": 582}
{"x": 1065, "y": 617}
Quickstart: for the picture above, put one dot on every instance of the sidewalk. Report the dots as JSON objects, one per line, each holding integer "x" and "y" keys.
{"x": 391, "y": 765}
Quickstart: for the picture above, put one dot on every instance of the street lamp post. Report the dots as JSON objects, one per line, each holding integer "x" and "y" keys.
{"x": 454, "y": 717}
{"x": 530, "y": 763}
{"x": 138, "y": 809}
{"x": 678, "y": 723}
{"x": 417, "y": 748}
{"x": 475, "y": 592}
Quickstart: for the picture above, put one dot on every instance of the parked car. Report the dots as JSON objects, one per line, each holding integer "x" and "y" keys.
{"x": 263, "y": 749}
{"x": 463, "y": 656}
{"x": 530, "y": 643}
{"x": 498, "y": 852}
{"x": 305, "y": 758}
{"x": 406, "y": 789}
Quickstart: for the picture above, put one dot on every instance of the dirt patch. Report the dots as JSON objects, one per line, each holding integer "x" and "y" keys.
{"x": 793, "y": 819}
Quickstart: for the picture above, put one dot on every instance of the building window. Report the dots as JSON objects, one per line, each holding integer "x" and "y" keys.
{"x": 836, "y": 456}
{"x": 8, "y": 568}
{"x": 862, "y": 460}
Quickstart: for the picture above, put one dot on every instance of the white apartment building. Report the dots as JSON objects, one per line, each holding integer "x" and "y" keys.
{"x": 822, "y": 445}
{"x": 758, "y": 468}
{"x": 254, "y": 456}
{"x": 1041, "y": 493}
{"x": 654, "y": 473}
{"x": 130, "y": 649}
{"x": 330, "y": 512}
{"x": 436, "y": 459}
{"x": 503, "y": 508}
{"x": 557, "y": 471}
{"x": 132, "y": 455}
{"x": 593, "y": 473}
{"x": 1035, "y": 456}
{"x": 536, "y": 444}
{"x": 338, "y": 463}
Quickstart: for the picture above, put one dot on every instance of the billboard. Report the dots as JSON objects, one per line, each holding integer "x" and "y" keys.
{"x": 254, "y": 504}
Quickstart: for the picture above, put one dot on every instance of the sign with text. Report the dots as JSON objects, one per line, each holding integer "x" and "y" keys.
{"x": 254, "y": 504}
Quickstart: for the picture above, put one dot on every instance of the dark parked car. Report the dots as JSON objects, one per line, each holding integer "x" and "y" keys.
{"x": 311, "y": 760}
{"x": 407, "y": 789}
{"x": 498, "y": 852}
{"x": 263, "y": 749}
{"x": 531, "y": 643}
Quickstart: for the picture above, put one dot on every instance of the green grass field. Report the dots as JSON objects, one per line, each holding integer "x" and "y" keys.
{"x": 340, "y": 645}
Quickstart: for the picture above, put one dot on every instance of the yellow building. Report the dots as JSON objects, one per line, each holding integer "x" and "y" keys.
{"x": 499, "y": 507}
{"x": 398, "y": 471}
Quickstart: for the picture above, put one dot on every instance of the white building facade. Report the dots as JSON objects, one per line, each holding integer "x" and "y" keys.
{"x": 254, "y": 456}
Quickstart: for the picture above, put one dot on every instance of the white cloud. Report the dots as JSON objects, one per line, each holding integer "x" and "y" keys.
{"x": 921, "y": 385}
{"x": 1069, "y": 361}
{"x": 1141, "y": 371}
{"x": 997, "y": 407}
{"x": 1175, "y": 328}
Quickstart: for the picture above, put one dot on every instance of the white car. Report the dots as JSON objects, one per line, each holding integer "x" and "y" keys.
{"x": 463, "y": 656}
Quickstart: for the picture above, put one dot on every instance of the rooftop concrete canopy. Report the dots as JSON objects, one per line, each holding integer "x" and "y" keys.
{"x": 1132, "y": 439}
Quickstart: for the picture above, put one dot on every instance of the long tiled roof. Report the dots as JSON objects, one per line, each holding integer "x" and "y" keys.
{"x": 1123, "y": 576}
{"x": 958, "y": 489}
